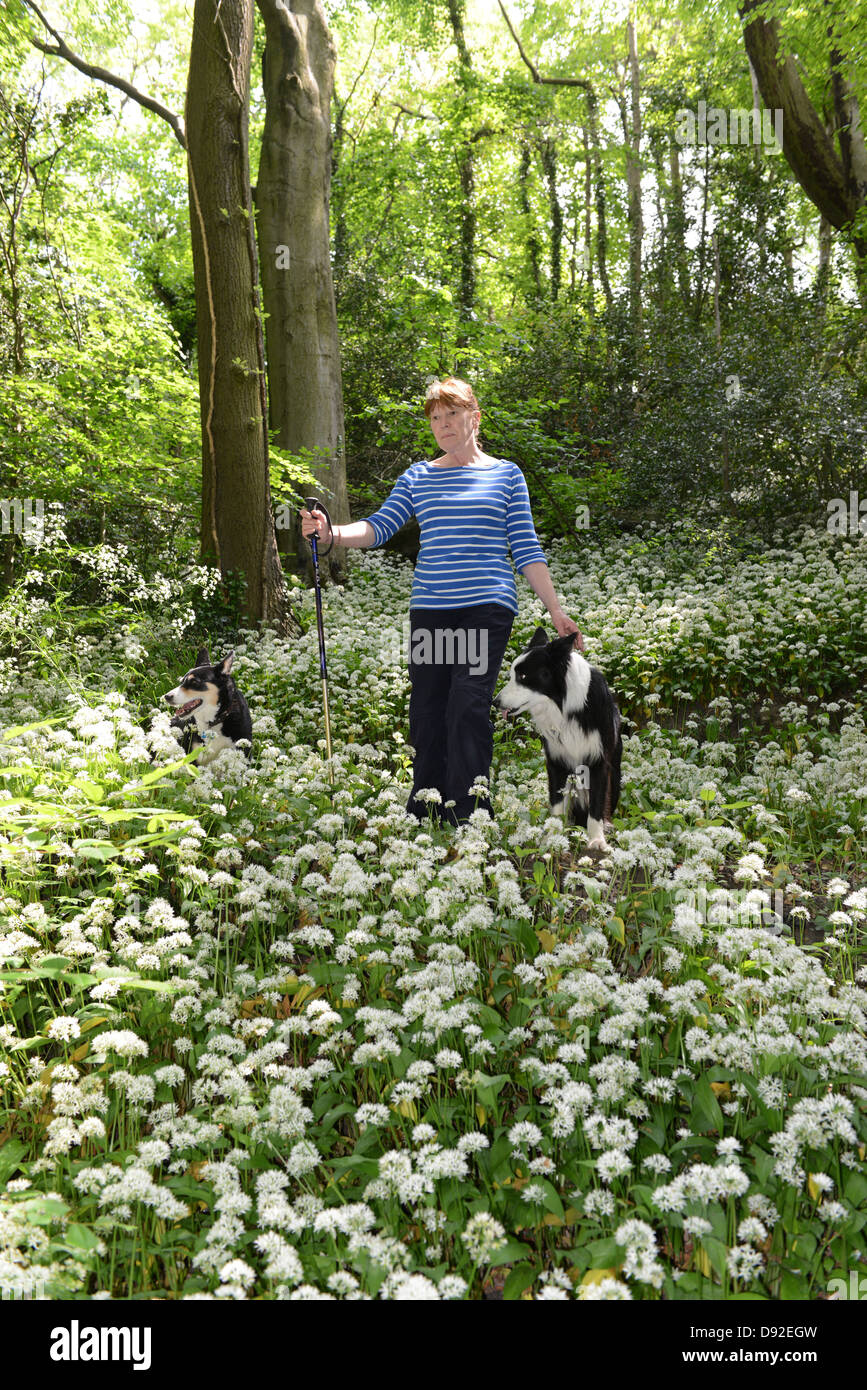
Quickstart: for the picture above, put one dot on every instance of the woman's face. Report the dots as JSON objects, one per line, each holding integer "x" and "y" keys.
{"x": 453, "y": 426}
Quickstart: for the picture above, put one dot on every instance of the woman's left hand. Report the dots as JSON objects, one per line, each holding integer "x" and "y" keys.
{"x": 564, "y": 626}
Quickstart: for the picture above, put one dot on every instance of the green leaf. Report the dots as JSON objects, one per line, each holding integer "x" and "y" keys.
{"x": 616, "y": 928}
{"x": 80, "y": 1237}
{"x": 54, "y": 964}
{"x": 509, "y": 1253}
{"x": 100, "y": 850}
{"x": 855, "y": 1188}
{"x": 520, "y": 1279}
{"x": 793, "y": 1286}
{"x": 151, "y": 777}
{"x": 706, "y": 1114}
{"x": 489, "y": 1087}
{"x": 716, "y": 1253}
{"x": 41, "y": 1211}
{"x": 17, "y": 729}
{"x": 11, "y": 1155}
{"x": 92, "y": 790}
{"x": 605, "y": 1254}
{"x": 551, "y": 1200}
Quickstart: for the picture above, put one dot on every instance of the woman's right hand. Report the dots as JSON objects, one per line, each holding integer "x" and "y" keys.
{"x": 313, "y": 523}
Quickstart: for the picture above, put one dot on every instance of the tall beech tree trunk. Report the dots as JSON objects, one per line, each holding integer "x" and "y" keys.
{"x": 292, "y": 200}
{"x": 237, "y": 522}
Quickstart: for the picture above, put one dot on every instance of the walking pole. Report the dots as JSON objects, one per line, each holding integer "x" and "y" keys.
{"x": 313, "y": 504}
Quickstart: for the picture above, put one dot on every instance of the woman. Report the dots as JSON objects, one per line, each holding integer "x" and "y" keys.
{"x": 463, "y": 603}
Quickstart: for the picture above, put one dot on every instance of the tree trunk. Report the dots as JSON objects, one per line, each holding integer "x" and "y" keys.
{"x": 13, "y": 198}
{"x": 633, "y": 183}
{"x": 662, "y": 272}
{"x": 677, "y": 222}
{"x": 588, "y": 217}
{"x": 717, "y": 325}
{"x": 599, "y": 183}
{"x": 698, "y": 303}
{"x": 292, "y": 198}
{"x": 532, "y": 241}
{"x": 548, "y": 155}
{"x": 464, "y": 155}
{"x": 237, "y": 522}
{"x": 823, "y": 272}
{"x": 760, "y": 238}
{"x": 341, "y": 231}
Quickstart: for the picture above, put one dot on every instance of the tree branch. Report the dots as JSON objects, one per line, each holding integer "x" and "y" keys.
{"x": 537, "y": 76}
{"x": 342, "y": 105}
{"x": 62, "y": 50}
{"x": 408, "y": 111}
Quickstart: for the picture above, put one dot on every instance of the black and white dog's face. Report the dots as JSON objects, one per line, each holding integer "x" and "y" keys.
{"x": 544, "y": 680}
{"x": 197, "y": 695}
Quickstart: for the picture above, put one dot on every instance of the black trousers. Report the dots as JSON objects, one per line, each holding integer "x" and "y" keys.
{"x": 455, "y": 655}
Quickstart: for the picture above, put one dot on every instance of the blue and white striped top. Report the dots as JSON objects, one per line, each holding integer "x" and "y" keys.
{"x": 466, "y": 515}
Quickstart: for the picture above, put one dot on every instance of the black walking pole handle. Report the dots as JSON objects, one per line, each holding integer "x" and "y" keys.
{"x": 313, "y": 504}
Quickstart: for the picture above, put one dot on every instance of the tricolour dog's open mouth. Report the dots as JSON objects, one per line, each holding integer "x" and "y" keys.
{"x": 188, "y": 707}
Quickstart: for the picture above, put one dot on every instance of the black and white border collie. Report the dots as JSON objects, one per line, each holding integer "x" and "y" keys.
{"x": 573, "y": 709}
{"x": 210, "y": 709}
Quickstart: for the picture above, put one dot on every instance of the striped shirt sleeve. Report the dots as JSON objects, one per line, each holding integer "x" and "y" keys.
{"x": 523, "y": 541}
{"x": 395, "y": 511}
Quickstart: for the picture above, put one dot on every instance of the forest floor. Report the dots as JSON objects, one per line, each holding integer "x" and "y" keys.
{"x": 265, "y": 1037}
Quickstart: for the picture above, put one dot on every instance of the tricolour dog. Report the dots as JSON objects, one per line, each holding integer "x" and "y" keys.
{"x": 576, "y": 714}
{"x": 210, "y": 709}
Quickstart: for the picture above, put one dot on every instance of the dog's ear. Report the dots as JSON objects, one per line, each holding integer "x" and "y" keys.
{"x": 565, "y": 644}
{"x": 226, "y": 664}
{"x": 203, "y": 659}
{"x": 539, "y": 638}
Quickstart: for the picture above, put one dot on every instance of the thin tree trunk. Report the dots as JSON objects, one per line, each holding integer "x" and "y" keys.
{"x": 663, "y": 217}
{"x": 548, "y": 154}
{"x": 588, "y": 217}
{"x": 532, "y": 241}
{"x": 13, "y": 197}
{"x": 726, "y": 489}
{"x": 599, "y": 184}
{"x": 677, "y": 221}
{"x": 698, "y": 303}
{"x": 341, "y": 231}
{"x": 464, "y": 155}
{"x": 824, "y": 269}
{"x": 761, "y": 234}
{"x": 633, "y": 183}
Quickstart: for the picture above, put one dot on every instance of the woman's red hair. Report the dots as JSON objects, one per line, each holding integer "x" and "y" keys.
{"x": 451, "y": 392}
